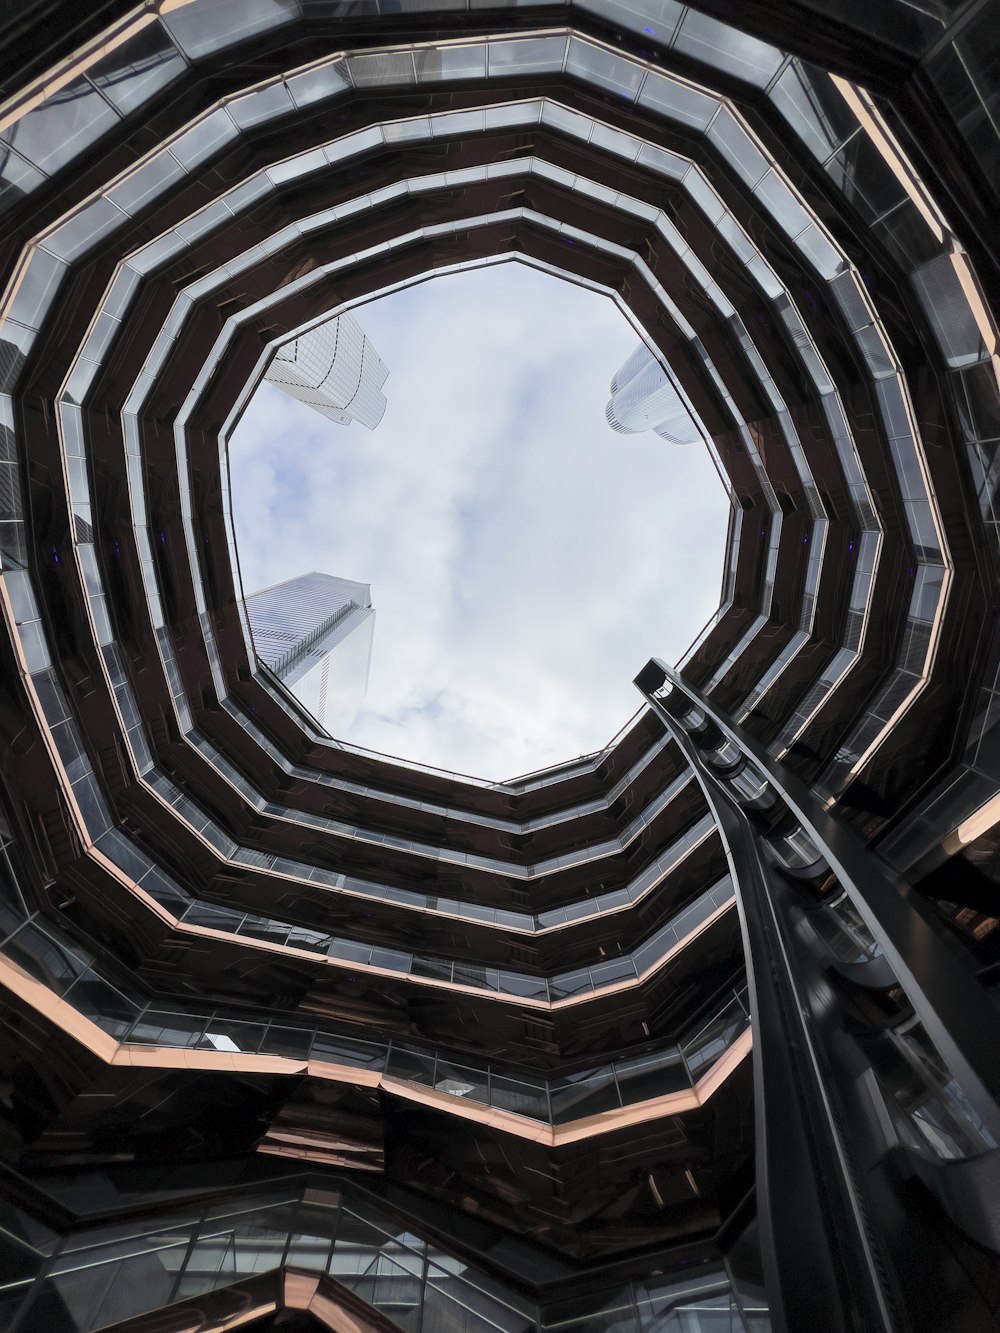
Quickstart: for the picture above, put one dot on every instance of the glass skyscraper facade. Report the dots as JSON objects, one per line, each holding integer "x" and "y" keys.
{"x": 315, "y": 633}
{"x": 695, "y": 1032}
{"x": 335, "y": 369}
{"x": 644, "y": 398}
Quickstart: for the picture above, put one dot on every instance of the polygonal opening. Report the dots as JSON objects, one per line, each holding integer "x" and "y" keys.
{"x": 524, "y": 558}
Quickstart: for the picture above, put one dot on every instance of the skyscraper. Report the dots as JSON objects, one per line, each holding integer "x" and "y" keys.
{"x": 699, "y": 1031}
{"x": 315, "y": 633}
{"x": 643, "y": 398}
{"x": 335, "y": 369}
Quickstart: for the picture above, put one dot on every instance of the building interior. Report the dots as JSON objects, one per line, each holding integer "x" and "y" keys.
{"x": 695, "y": 1033}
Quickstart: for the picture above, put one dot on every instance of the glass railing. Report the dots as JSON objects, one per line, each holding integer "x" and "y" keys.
{"x": 408, "y": 845}
{"x": 584, "y": 59}
{"x": 577, "y": 982}
{"x": 139, "y": 867}
{"x": 116, "y": 1006}
{"x": 675, "y": 1068}
{"x": 112, "y": 1272}
{"x": 711, "y": 1041}
{"x": 796, "y": 455}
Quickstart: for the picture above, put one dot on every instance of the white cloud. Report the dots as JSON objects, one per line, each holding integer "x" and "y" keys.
{"x": 525, "y": 559}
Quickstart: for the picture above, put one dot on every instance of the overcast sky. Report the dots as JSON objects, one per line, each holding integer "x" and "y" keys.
{"x": 525, "y": 560}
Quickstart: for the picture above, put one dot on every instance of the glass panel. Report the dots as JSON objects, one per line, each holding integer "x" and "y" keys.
{"x": 604, "y": 68}
{"x": 520, "y": 1097}
{"x": 223, "y": 1034}
{"x": 737, "y": 147}
{"x": 946, "y": 306}
{"x": 815, "y": 109}
{"x": 36, "y": 289}
{"x": 69, "y": 121}
{"x": 865, "y": 177}
{"x": 648, "y": 1076}
{"x": 656, "y": 18}
{"x": 167, "y": 1029}
{"x": 613, "y": 970}
{"x": 263, "y": 105}
{"x": 451, "y": 62}
{"x": 531, "y": 55}
{"x": 381, "y": 68}
{"x": 782, "y": 204}
{"x": 310, "y": 1245}
{"x": 44, "y": 958}
{"x": 131, "y": 75}
{"x": 583, "y": 1095}
{"x": 292, "y": 1042}
{"x": 342, "y": 1050}
{"x": 410, "y": 1065}
{"x": 737, "y": 53}
{"x": 17, "y": 177}
{"x": 452, "y": 1304}
{"x": 462, "y": 1081}
{"x": 200, "y": 30}
{"x": 203, "y": 139}
{"x": 314, "y": 85}
{"x": 571, "y": 983}
{"x": 516, "y": 983}
{"x": 703, "y": 1049}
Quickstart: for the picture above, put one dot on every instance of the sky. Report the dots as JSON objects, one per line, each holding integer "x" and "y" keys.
{"x": 525, "y": 559}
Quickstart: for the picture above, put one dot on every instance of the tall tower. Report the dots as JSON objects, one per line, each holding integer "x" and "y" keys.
{"x": 335, "y": 369}
{"x": 315, "y": 633}
{"x": 644, "y": 398}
